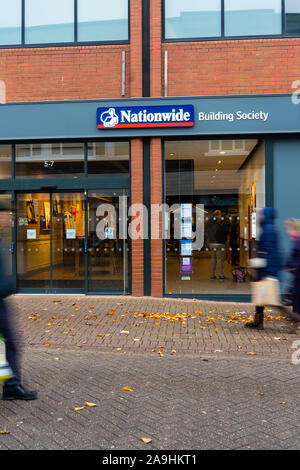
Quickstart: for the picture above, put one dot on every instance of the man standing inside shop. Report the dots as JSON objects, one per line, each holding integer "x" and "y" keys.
{"x": 12, "y": 389}
{"x": 217, "y": 233}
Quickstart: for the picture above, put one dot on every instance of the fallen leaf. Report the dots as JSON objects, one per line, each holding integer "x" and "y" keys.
{"x": 4, "y": 432}
{"x": 283, "y": 402}
{"x": 126, "y": 389}
{"x": 47, "y": 343}
{"x": 251, "y": 353}
{"x": 146, "y": 440}
{"x": 79, "y": 408}
{"x": 90, "y": 404}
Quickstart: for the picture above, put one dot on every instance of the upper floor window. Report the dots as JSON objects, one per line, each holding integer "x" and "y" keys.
{"x": 292, "y": 16}
{"x": 96, "y": 23}
{"x": 252, "y": 17}
{"x": 185, "y": 19}
{"x": 10, "y": 22}
{"x": 195, "y": 19}
{"x": 28, "y": 22}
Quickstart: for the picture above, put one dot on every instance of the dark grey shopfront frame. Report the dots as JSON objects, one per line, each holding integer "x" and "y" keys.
{"x": 50, "y": 185}
{"x": 76, "y": 120}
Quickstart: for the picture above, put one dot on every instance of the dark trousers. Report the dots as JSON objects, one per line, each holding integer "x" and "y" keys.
{"x": 296, "y": 296}
{"x": 7, "y": 331}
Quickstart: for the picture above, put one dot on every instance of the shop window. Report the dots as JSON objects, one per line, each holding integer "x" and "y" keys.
{"x": 5, "y": 162}
{"x": 47, "y": 22}
{"x": 212, "y": 191}
{"x": 6, "y": 234}
{"x": 10, "y": 22}
{"x": 192, "y": 19}
{"x": 108, "y": 159}
{"x": 292, "y": 16}
{"x": 49, "y": 160}
{"x": 253, "y": 17}
{"x": 102, "y": 21}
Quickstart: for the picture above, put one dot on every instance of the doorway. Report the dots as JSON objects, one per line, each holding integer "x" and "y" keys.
{"x": 60, "y": 248}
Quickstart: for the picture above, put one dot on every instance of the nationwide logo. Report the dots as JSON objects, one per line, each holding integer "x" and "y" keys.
{"x": 145, "y": 116}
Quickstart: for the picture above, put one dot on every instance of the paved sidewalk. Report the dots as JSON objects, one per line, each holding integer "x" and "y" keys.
{"x": 148, "y": 325}
{"x": 197, "y": 378}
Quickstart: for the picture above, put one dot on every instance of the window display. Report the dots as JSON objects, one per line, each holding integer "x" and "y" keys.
{"x": 212, "y": 190}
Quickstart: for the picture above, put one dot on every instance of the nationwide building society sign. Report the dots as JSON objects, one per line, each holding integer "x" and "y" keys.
{"x": 170, "y": 116}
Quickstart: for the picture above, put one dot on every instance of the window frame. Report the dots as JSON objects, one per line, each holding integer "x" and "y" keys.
{"x": 23, "y": 45}
{"x": 222, "y": 37}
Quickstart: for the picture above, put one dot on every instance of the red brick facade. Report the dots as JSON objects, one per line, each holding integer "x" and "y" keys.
{"x": 249, "y": 66}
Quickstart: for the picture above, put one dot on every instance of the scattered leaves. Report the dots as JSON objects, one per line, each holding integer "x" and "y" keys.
{"x": 127, "y": 389}
{"x": 146, "y": 440}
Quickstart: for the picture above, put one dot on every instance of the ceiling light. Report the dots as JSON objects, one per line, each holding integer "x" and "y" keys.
{"x": 219, "y": 162}
{"x": 222, "y": 152}
{"x": 171, "y": 154}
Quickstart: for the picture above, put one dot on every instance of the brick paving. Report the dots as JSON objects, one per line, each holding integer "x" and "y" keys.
{"x": 199, "y": 379}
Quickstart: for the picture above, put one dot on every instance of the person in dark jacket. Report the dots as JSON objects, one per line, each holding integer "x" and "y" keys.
{"x": 268, "y": 249}
{"x": 293, "y": 265}
{"x": 12, "y": 388}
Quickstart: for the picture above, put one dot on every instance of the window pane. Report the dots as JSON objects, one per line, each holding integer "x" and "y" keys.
{"x": 10, "y": 22}
{"x": 292, "y": 18}
{"x": 252, "y": 17}
{"x": 49, "y": 160}
{"x": 212, "y": 191}
{"x": 108, "y": 159}
{"x": 5, "y": 161}
{"x": 192, "y": 18}
{"x": 49, "y": 21}
{"x": 102, "y": 21}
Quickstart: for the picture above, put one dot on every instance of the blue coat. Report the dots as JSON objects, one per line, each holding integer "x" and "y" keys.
{"x": 268, "y": 245}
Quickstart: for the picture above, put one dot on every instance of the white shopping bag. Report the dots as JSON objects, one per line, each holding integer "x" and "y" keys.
{"x": 266, "y": 292}
{"x": 5, "y": 370}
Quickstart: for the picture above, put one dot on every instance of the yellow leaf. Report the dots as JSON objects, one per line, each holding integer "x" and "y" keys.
{"x": 126, "y": 389}
{"x": 251, "y": 353}
{"x": 146, "y": 440}
{"x": 79, "y": 408}
{"x": 90, "y": 404}
{"x": 277, "y": 338}
{"x": 283, "y": 402}
{"x": 47, "y": 343}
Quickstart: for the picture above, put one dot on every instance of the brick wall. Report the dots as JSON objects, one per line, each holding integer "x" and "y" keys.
{"x": 248, "y": 66}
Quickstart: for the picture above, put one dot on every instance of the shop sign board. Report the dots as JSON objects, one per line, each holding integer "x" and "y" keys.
{"x": 145, "y": 116}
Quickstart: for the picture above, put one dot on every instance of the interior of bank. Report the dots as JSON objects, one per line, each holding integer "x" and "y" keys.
{"x": 213, "y": 188}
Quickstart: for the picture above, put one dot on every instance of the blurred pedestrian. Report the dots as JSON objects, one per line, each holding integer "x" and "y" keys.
{"x": 12, "y": 388}
{"x": 269, "y": 257}
{"x": 293, "y": 265}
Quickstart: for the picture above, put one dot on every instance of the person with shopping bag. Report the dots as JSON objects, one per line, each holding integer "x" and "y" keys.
{"x": 265, "y": 291}
{"x": 12, "y": 388}
{"x": 293, "y": 264}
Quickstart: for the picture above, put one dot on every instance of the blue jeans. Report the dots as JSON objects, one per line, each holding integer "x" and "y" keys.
{"x": 296, "y": 296}
{"x": 12, "y": 356}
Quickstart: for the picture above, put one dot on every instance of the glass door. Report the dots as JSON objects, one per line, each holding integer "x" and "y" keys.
{"x": 107, "y": 241}
{"x": 68, "y": 233}
{"x": 33, "y": 220}
{"x": 61, "y": 246}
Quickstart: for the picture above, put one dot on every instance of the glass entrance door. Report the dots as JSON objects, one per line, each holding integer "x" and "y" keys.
{"x": 107, "y": 241}
{"x": 55, "y": 251}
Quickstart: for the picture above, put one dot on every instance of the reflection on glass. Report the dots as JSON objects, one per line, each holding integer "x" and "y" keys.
{"x": 49, "y": 160}
{"x": 252, "y": 17}
{"x": 49, "y": 21}
{"x": 192, "y": 18}
{"x": 33, "y": 240}
{"x": 107, "y": 242}
{"x": 68, "y": 230}
{"x": 212, "y": 188}
{"x": 102, "y": 21}
{"x": 10, "y": 22}
{"x": 108, "y": 159}
{"x": 5, "y": 162}
{"x": 292, "y": 16}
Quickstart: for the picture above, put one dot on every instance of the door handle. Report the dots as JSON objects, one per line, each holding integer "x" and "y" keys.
{"x": 85, "y": 246}
{"x": 12, "y": 248}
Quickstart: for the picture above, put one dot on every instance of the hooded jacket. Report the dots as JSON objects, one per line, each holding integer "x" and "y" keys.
{"x": 268, "y": 245}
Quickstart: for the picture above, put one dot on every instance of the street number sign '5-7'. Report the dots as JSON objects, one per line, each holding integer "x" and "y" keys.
{"x": 145, "y": 116}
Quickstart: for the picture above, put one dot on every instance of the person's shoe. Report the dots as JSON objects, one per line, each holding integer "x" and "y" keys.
{"x": 213, "y": 277}
{"x": 18, "y": 393}
{"x": 257, "y": 324}
{"x": 222, "y": 278}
